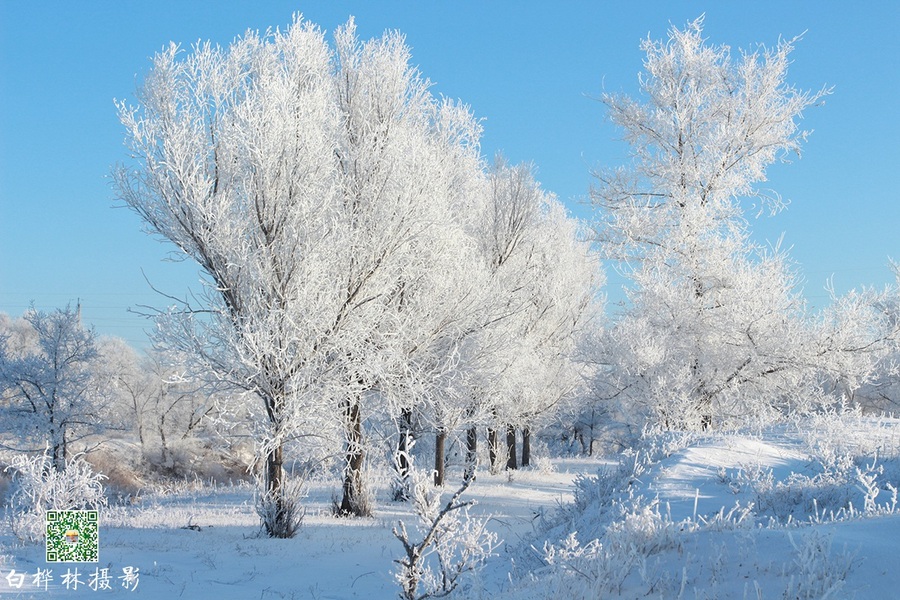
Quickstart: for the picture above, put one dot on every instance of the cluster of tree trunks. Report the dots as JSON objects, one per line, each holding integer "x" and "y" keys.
{"x": 512, "y": 456}
{"x": 494, "y": 452}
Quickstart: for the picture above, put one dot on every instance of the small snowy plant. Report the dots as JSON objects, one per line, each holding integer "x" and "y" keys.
{"x": 281, "y": 513}
{"x": 452, "y": 542}
{"x": 816, "y": 571}
{"x": 38, "y": 486}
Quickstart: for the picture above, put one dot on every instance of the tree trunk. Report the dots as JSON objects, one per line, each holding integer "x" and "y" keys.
{"x": 58, "y": 448}
{"x": 706, "y": 420}
{"x": 401, "y": 461}
{"x": 163, "y": 444}
{"x": 439, "y": 441}
{"x": 355, "y": 501}
{"x": 704, "y": 402}
{"x": 279, "y": 526}
{"x": 511, "y": 448}
{"x": 471, "y": 452}
{"x": 590, "y": 451}
{"x": 526, "y": 446}
{"x": 494, "y": 450}
{"x": 58, "y": 457}
{"x": 139, "y": 421}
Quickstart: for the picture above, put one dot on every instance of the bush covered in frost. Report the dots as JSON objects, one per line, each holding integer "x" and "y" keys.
{"x": 38, "y": 487}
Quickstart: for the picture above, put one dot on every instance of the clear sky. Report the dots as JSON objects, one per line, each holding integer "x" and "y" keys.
{"x": 532, "y": 70}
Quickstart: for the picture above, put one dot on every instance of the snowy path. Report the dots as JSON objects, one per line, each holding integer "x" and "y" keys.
{"x": 695, "y": 473}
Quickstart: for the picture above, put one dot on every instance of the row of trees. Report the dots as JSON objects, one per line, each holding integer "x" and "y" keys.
{"x": 358, "y": 255}
{"x": 68, "y": 390}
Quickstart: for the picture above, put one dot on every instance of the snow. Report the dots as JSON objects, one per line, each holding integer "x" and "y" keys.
{"x": 694, "y": 473}
{"x": 331, "y": 558}
{"x": 204, "y": 542}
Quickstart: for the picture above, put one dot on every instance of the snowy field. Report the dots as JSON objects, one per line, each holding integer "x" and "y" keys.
{"x": 793, "y": 512}
{"x": 205, "y": 542}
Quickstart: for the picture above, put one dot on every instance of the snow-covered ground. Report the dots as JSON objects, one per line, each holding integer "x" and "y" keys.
{"x": 780, "y": 514}
{"x": 205, "y": 543}
{"x": 804, "y": 511}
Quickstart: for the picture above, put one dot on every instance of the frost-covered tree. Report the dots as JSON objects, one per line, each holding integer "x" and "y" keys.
{"x": 714, "y": 331}
{"x": 857, "y": 349}
{"x": 234, "y": 153}
{"x": 564, "y": 303}
{"x": 745, "y": 352}
{"x": 51, "y": 377}
{"x": 311, "y": 187}
{"x": 163, "y": 408}
{"x": 543, "y": 282}
{"x": 119, "y": 365}
{"x": 408, "y": 163}
{"x": 136, "y": 384}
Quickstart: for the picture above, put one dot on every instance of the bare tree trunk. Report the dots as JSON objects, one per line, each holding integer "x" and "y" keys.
{"x": 494, "y": 450}
{"x": 278, "y": 527}
{"x": 403, "y": 442}
{"x": 439, "y": 441}
{"x": 138, "y": 418}
{"x": 471, "y": 452}
{"x": 401, "y": 462}
{"x": 355, "y": 501}
{"x": 706, "y": 419}
{"x": 591, "y": 443}
{"x": 511, "y": 448}
{"x": 526, "y": 446}
{"x": 59, "y": 451}
{"x": 58, "y": 456}
{"x": 704, "y": 402}
{"x": 163, "y": 444}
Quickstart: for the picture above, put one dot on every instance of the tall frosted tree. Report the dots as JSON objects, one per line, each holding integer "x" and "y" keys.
{"x": 409, "y": 168}
{"x": 714, "y": 330}
{"x": 544, "y": 283}
{"x": 311, "y": 187}
{"x": 564, "y": 302}
{"x": 858, "y": 347}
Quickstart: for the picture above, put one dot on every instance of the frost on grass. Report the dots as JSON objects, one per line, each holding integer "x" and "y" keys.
{"x": 772, "y": 535}
{"x": 281, "y": 513}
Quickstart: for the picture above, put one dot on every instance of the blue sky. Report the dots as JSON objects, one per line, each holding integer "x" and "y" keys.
{"x": 531, "y": 70}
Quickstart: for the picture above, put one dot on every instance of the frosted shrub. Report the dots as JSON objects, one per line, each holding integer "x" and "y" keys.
{"x": 544, "y": 465}
{"x": 38, "y": 487}
{"x": 642, "y": 529}
{"x": 452, "y": 543}
{"x": 281, "y": 512}
{"x": 585, "y": 571}
{"x": 818, "y": 574}
{"x": 634, "y": 463}
{"x": 845, "y": 486}
{"x": 621, "y": 557}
